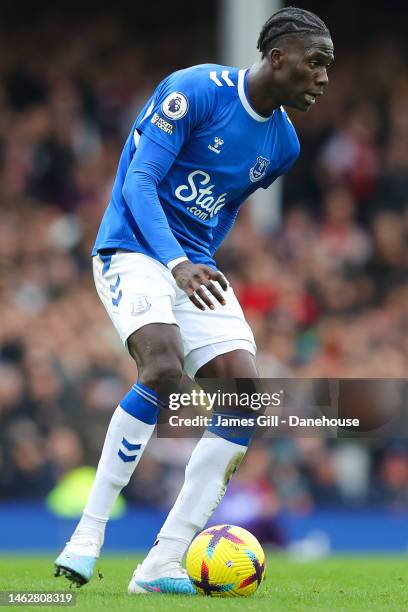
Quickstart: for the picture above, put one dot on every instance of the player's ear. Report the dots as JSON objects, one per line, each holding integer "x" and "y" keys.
{"x": 275, "y": 58}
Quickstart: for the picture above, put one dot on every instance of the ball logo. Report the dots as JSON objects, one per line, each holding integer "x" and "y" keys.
{"x": 175, "y": 106}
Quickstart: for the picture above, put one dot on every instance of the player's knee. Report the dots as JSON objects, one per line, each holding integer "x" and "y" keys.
{"x": 163, "y": 374}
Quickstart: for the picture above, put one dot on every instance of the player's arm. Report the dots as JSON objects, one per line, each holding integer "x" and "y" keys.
{"x": 149, "y": 166}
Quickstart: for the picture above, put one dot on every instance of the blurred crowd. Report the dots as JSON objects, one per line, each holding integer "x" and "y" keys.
{"x": 326, "y": 293}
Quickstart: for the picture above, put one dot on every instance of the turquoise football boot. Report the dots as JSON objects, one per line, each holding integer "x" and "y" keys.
{"x": 175, "y": 582}
{"x": 77, "y": 568}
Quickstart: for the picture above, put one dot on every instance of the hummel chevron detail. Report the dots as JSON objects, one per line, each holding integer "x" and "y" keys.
{"x": 130, "y": 447}
{"x": 126, "y": 458}
{"x": 115, "y": 301}
{"x": 224, "y": 76}
{"x": 113, "y": 289}
{"x": 213, "y": 77}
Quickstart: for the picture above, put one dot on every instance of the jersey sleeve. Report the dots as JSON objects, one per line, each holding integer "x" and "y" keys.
{"x": 179, "y": 105}
{"x": 149, "y": 165}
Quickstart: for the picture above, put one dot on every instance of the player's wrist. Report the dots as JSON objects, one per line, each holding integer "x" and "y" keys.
{"x": 174, "y": 262}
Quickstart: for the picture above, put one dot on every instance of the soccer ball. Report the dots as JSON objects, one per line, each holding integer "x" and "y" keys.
{"x": 226, "y": 561}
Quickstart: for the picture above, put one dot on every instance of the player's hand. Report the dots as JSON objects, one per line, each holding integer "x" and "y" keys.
{"x": 194, "y": 278}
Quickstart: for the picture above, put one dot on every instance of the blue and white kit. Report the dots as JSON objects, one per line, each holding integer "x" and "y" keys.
{"x": 195, "y": 153}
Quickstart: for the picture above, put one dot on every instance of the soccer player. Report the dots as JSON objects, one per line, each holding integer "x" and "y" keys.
{"x": 208, "y": 137}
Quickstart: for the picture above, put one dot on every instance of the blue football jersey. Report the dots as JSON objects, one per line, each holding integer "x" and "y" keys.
{"x": 224, "y": 152}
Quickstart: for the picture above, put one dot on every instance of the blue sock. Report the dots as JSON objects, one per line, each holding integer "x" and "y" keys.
{"x": 235, "y": 426}
{"x": 142, "y": 403}
{"x": 129, "y": 432}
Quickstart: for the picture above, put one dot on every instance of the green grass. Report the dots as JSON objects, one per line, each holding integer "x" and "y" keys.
{"x": 338, "y": 583}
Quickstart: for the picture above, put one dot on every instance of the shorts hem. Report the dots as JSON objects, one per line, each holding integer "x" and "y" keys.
{"x": 222, "y": 339}
{"x": 204, "y": 354}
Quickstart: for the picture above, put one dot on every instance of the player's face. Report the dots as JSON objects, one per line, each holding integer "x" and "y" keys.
{"x": 303, "y": 72}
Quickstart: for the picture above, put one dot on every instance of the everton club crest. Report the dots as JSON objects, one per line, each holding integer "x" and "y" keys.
{"x": 140, "y": 305}
{"x": 259, "y": 169}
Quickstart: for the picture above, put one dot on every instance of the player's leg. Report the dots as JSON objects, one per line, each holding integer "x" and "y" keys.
{"x": 157, "y": 349}
{"x": 214, "y": 460}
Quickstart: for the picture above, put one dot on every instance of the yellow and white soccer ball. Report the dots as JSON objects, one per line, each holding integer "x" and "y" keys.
{"x": 226, "y": 561}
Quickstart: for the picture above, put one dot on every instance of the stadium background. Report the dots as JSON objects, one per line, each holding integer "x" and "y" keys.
{"x": 325, "y": 291}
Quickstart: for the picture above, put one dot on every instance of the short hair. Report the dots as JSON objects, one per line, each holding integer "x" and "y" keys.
{"x": 290, "y": 21}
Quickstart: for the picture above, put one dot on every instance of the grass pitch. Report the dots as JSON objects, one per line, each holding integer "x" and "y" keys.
{"x": 338, "y": 583}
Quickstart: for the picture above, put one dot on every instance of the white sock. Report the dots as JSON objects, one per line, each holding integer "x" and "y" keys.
{"x": 124, "y": 444}
{"x": 211, "y": 465}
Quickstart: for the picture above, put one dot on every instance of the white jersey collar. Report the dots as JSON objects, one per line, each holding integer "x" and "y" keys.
{"x": 244, "y": 100}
